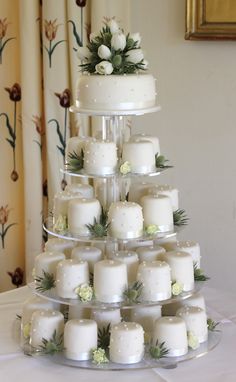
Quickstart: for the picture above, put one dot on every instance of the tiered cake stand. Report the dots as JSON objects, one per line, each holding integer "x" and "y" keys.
{"x": 115, "y": 188}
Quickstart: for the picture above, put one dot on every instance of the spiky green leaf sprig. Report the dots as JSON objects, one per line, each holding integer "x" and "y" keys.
{"x": 161, "y": 162}
{"x": 99, "y": 228}
{"x": 133, "y": 293}
{"x": 46, "y": 282}
{"x": 199, "y": 275}
{"x": 104, "y": 337}
{"x": 158, "y": 351}
{"x": 76, "y": 161}
{"x": 52, "y": 346}
{"x": 180, "y": 218}
{"x": 211, "y": 324}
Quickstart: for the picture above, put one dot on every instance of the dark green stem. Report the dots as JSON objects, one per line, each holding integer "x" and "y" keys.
{"x": 14, "y": 154}
{"x": 2, "y": 236}
{"x": 50, "y": 54}
{"x": 65, "y": 126}
{"x": 82, "y": 26}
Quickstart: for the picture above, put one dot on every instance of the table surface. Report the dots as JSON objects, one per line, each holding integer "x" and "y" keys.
{"x": 217, "y": 366}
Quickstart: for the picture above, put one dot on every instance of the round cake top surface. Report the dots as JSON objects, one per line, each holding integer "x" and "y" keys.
{"x": 67, "y": 194}
{"x": 155, "y": 197}
{"x": 124, "y": 254}
{"x": 178, "y": 254}
{"x": 85, "y": 322}
{"x": 77, "y": 201}
{"x": 125, "y": 204}
{"x": 170, "y": 320}
{"x": 77, "y": 187}
{"x": 50, "y": 255}
{"x": 127, "y": 326}
{"x": 60, "y": 243}
{"x": 47, "y": 314}
{"x": 187, "y": 244}
{"x": 68, "y": 263}
{"x": 110, "y": 264}
{"x": 154, "y": 264}
{"x": 189, "y": 310}
{"x": 162, "y": 187}
{"x": 86, "y": 249}
{"x": 150, "y": 249}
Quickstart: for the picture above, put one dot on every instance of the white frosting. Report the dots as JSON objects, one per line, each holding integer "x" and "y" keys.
{"x": 140, "y": 156}
{"x": 47, "y": 262}
{"x": 43, "y": 325}
{"x": 144, "y": 137}
{"x": 196, "y": 299}
{"x": 165, "y": 189}
{"x": 71, "y": 274}
{"x": 36, "y": 303}
{"x": 105, "y": 317}
{"x": 85, "y": 190}
{"x": 126, "y": 220}
{"x": 130, "y": 259}
{"x": 60, "y": 245}
{"x": 90, "y": 254}
{"x": 80, "y": 337}
{"x": 75, "y": 145}
{"x": 181, "y": 265}
{"x": 173, "y": 332}
{"x": 82, "y": 212}
{"x": 110, "y": 280}
{"x": 150, "y": 253}
{"x": 192, "y": 248}
{"x": 126, "y": 343}
{"x": 60, "y": 203}
{"x": 156, "y": 280}
{"x": 146, "y": 316}
{"x": 116, "y": 92}
{"x": 100, "y": 157}
{"x": 157, "y": 210}
{"x": 196, "y": 321}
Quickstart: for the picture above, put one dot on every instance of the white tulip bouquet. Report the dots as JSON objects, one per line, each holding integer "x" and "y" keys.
{"x": 112, "y": 52}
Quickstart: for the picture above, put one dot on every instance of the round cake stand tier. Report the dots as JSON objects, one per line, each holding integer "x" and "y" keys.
{"x": 83, "y": 174}
{"x": 48, "y": 227}
{"x": 80, "y": 110}
{"x": 146, "y": 363}
{"x": 52, "y": 295}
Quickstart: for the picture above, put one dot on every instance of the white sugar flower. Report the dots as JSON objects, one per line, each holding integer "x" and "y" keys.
{"x": 113, "y": 25}
{"x": 104, "y": 67}
{"x": 136, "y": 37}
{"x": 134, "y": 56}
{"x": 152, "y": 229}
{"x": 84, "y": 292}
{"x": 84, "y": 53}
{"x": 125, "y": 168}
{"x": 99, "y": 356}
{"x": 176, "y": 288}
{"x": 104, "y": 52}
{"x": 26, "y": 330}
{"x": 118, "y": 41}
{"x": 61, "y": 224}
{"x": 193, "y": 341}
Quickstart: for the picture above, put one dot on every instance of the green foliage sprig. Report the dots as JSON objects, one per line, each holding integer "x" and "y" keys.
{"x": 104, "y": 337}
{"x": 99, "y": 228}
{"x": 158, "y": 351}
{"x": 199, "y": 275}
{"x": 52, "y": 346}
{"x": 180, "y": 218}
{"x": 46, "y": 282}
{"x": 133, "y": 293}
{"x": 75, "y": 162}
{"x": 161, "y": 162}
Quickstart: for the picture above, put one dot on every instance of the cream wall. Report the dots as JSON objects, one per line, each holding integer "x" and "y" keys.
{"x": 196, "y": 128}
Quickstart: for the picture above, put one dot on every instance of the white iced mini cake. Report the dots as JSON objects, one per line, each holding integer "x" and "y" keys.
{"x": 145, "y": 137}
{"x": 60, "y": 203}
{"x": 130, "y": 259}
{"x": 173, "y": 332}
{"x": 60, "y": 245}
{"x": 116, "y": 92}
{"x": 47, "y": 262}
{"x": 196, "y": 321}
{"x": 126, "y": 343}
{"x": 192, "y": 247}
{"x": 140, "y": 156}
{"x": 80, "y": 338}
{"x": 181, "y": 265}
{"x": 85, "y": 190}
{"x": 157, "y": 210}
{"x": 70, "y": 275}
{"x": 165, "y": 189}
{"x": 100, "y": 157}
{"x": 110, "y": 280}
{"x": 196, "y": 299}
{"x": 156, "y": 279}
{"x": 150, "y": 253}
{"x": 146, "y": 316}
{"x": 90, "y": 254}
{"x": 125, "y": 220}
{"x": 43, "y": 325}
{"x": 36, "y": 303}
{"x": 106, "y": 317}
{"x": 82, "y": 212}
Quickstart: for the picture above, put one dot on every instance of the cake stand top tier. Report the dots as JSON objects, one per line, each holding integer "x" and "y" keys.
{"x": 110, "y": 113}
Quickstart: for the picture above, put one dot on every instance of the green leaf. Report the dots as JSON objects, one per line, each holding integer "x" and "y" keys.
{"x": 161, "y": 162}
{"x": 199, "y": 275}
{"x": 7, "y": 228}
{"x": 5, "y": 43}
{"x": 76, "y": 161}
{"x": 12, "y": 143}
{"x": 61, "y": 139}
{"x": 180, "y": 218}
{"x": 76, "y": 35}
{"x": 211, "y": 324}
{"x": 104, "y": 337}
{"x": 52, "y": 346}
{"x": 99, "y": 228}
{"x": 8, "y": 125}
{"x": 158, "y": 351}
{"x": 46, "y": 282}
{"x": 54, "y": 46}
{"x": 133, "y": 293}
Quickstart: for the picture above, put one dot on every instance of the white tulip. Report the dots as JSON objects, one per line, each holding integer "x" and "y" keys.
{"x": 84, "y": 53}
{"x": 134, "y": 56}
{"x": 136, "y": 37}
{"x": 104, "y": 67}
{"x": 113, "y": 25}
{"x": 118, "y": 41}
{"x": 104, "y": 52}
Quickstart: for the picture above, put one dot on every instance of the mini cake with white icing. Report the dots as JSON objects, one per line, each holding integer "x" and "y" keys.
{"x": 196, "y": 321}
{"x": 90, "y": 254}
{"x": 116, "y": 92}
{"x": 145, "y": 137}
{"x": 110, "y": 280}
{"x": 146, "y": 316}
{"x": 60, "y": 245}
{"x": 85, "y": 190}
{"x": 131, "y": 260}
{"x": 70, "y": 275}
{"x": 36, "y": 303}
{"x": 165, "y": 189}
{"x": 75, "y": 145}
{"x": 100, "y": 157}
{"x": 192, "y": 247}
{"x": 126, "y": 220}
{"x": 106, "y": 317}
{"x": 82, "y": 212}
{"x": 196, "y": 299}
{"x": 43, "y": 325}
{"x": 60, "y": 203}
{"x": 140, "y": 156}
{"x": 150, "y": 253}
{"x": 80, "y": 337}
{"x": 126, "y": 343}
{"x": 173, "y": 332}
{"x": 47, "y": 262}
{"x": 156, "y": 279}
{"x": 157, "y": 211}
{"x": 181, "y": 265}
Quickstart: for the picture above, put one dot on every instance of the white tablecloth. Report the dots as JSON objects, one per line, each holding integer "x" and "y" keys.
{"x": 217, "y": 366}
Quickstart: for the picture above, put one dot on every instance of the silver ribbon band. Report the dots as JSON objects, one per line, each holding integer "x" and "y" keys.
{"x": 115, "y": 105}
{"x": 78, "y": 356}
{"x": 110, "y": 298}
{"x": 143, "y": 169}
{"x": 157, "y": 297}
{"x": 177, "y": 352}
{"x": 165, "y": 228}
{"x": 127, "y": 234}
{"x": 202, "y": 339}
{"x": 102, "y": 170}
{"x": 188, "y": 287}
{"x": 125, "y": 359}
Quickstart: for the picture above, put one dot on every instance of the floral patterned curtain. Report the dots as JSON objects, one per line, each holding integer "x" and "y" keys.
{"x": 38, "y": 72}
